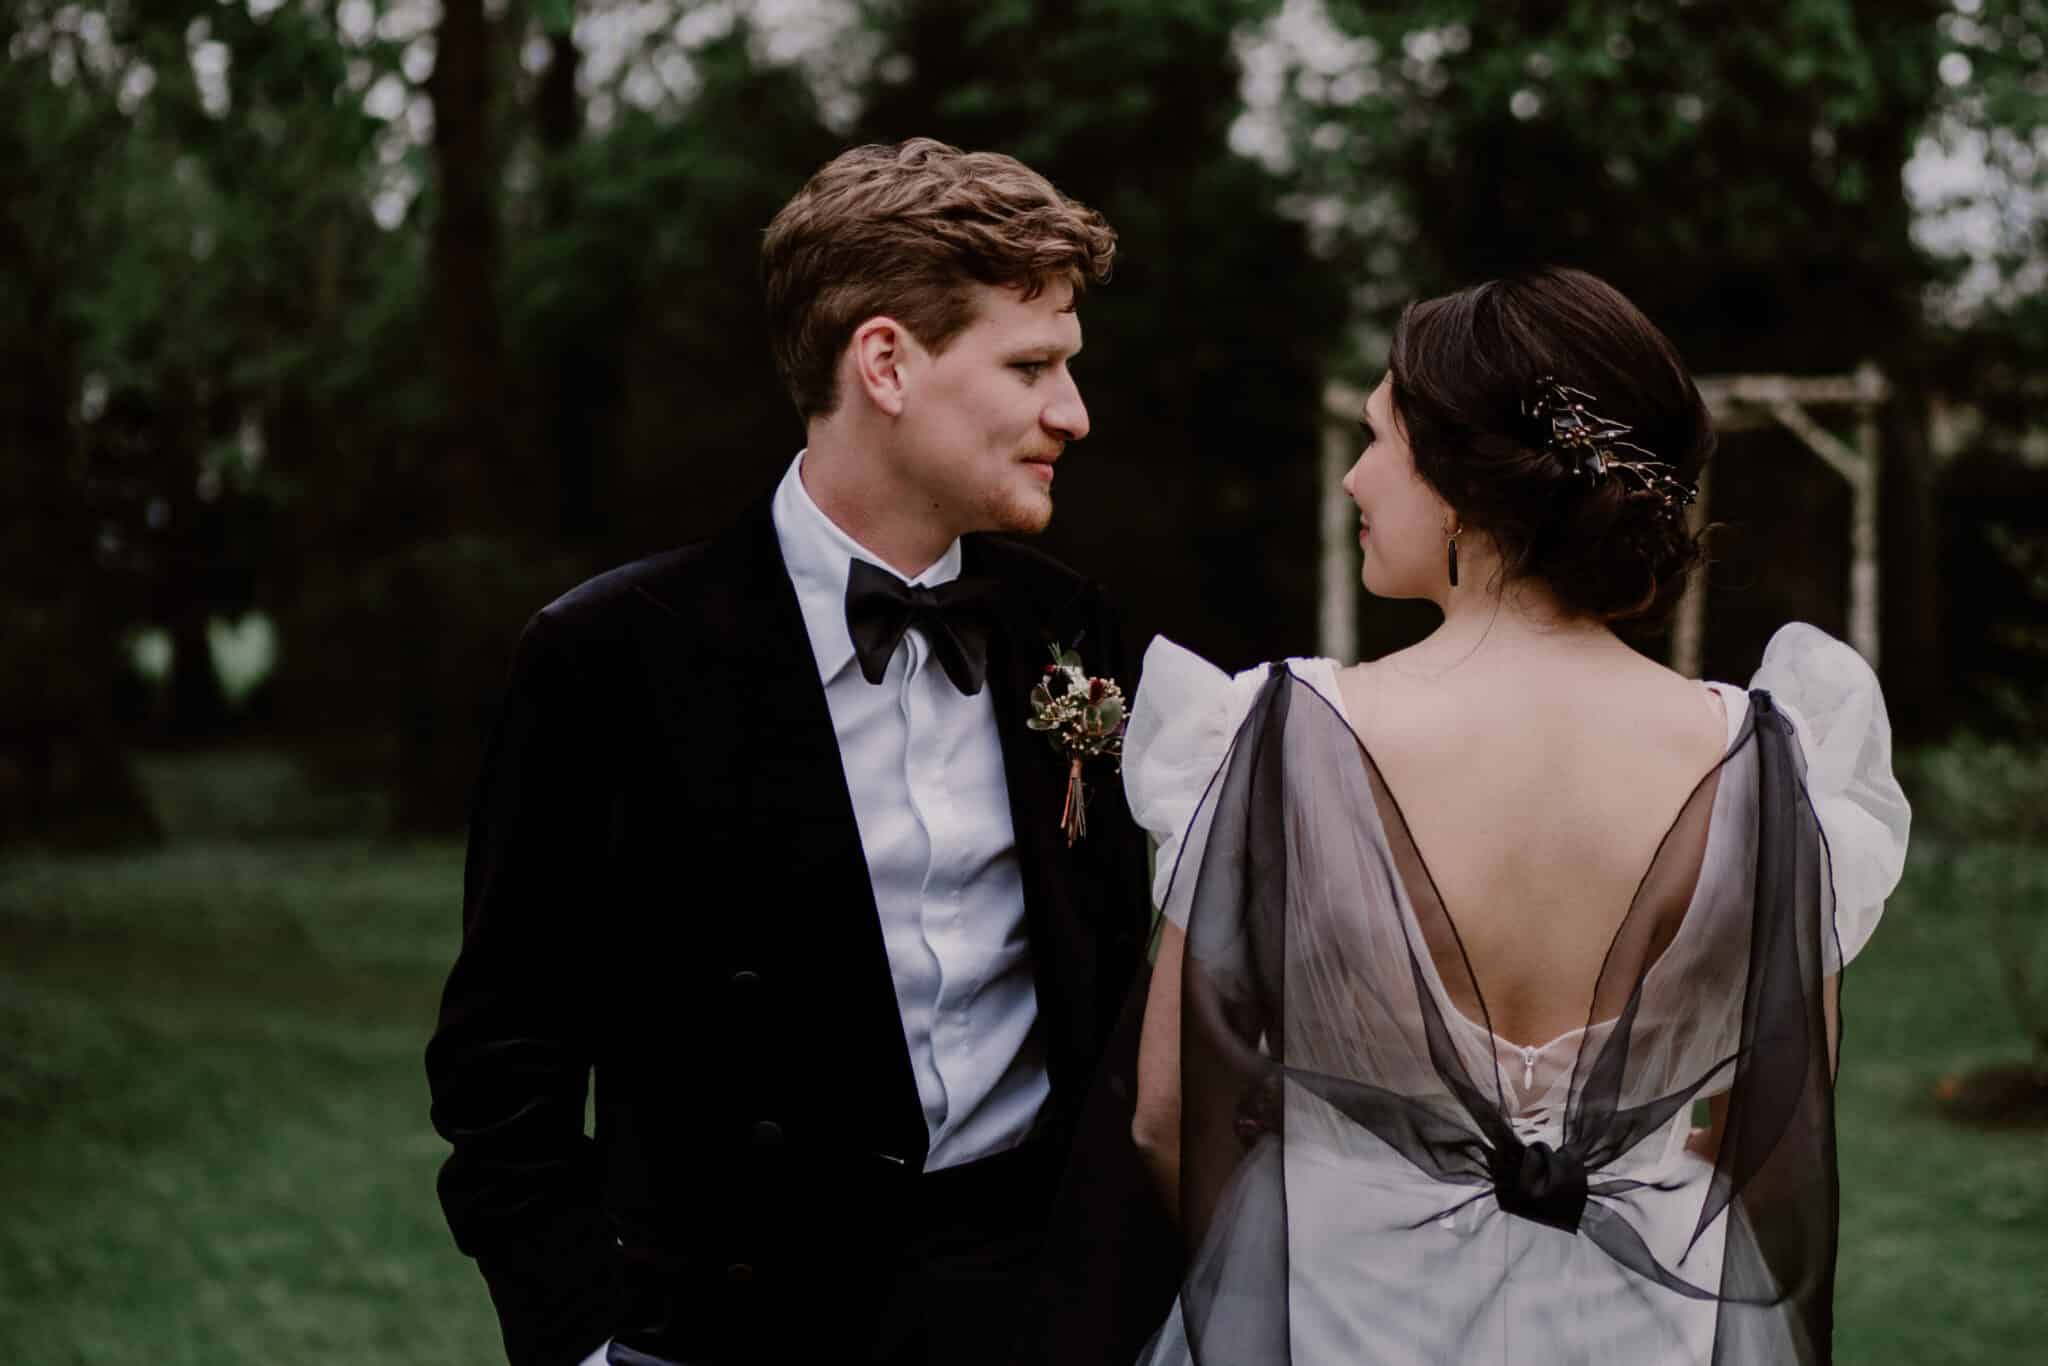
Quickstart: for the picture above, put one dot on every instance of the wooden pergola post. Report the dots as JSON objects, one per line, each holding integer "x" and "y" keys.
{"x": 1747, "y": 402}
{"x": 1337, "y": 581}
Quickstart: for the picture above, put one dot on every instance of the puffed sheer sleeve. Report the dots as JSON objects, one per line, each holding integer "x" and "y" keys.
{"x": 1833, "y": 701}
{"x": 1182, "y": 721}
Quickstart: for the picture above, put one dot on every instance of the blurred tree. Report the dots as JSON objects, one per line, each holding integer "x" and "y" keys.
{"x": 576, "y": 389}
{"x": 632, "y": 300}
{"x": 1740, "y": 178}
{"x": 62, "y": 774}
{"x": 1195, "y": 497}
{"x": 244, "y": 230}
{"x": 394, "y": 320}
{"x": 481, "y": 478}
{"x": 635, "y": 405}
{"x": 1991, "y": 134}
{"x": 209, "y": 310}
{"x": 1991, "y": 127}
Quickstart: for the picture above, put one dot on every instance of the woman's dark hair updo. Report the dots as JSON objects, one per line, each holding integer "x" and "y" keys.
{"x": 1462, "y": 368}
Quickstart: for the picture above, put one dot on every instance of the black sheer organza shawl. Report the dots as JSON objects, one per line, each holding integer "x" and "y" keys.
{"x": 1368, "y": 1175}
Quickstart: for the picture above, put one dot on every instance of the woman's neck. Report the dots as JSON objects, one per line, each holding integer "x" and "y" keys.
{"x": 1513, "y": 619}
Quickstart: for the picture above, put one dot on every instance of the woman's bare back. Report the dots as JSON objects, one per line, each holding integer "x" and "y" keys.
{"x": 1538, "y": 778}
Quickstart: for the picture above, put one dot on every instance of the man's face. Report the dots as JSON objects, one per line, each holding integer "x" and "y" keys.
{"x": 984, "y": 420}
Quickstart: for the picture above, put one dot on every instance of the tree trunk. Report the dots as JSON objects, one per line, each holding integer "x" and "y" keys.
{"x": 1909, "y": 532}
{"x": 56, "y": 718}
{"x": 1909, "y": 577}
{"x": 463, "y": 269}
{"x": 574, "y": 381}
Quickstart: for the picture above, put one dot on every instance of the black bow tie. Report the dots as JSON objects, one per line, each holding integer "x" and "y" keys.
{"x": 880, "y": 607}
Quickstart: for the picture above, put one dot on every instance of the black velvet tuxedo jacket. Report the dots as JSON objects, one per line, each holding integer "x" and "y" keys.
{"x": 666, "y": 887}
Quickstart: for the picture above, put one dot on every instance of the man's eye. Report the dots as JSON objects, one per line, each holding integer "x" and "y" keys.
{"x": 1031, "y": 368}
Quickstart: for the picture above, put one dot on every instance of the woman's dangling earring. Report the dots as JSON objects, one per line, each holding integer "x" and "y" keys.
{"x": 1453, "y": 543}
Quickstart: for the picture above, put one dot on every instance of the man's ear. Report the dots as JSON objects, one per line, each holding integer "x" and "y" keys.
{"x": 882, "y": 353}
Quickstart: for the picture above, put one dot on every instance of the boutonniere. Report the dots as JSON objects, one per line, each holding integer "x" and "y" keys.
{"x": 1084, "y": 719}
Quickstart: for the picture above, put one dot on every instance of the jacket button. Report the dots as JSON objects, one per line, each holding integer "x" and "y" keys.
{"x": 767, "y": 1133}
{"x": 739, "y": 1273}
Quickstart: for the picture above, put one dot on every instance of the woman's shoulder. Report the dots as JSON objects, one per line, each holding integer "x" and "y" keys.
{"x": 1460, "y": 697}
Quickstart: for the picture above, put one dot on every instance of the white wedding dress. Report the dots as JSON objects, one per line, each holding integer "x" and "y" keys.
{"x": 1356, "y": 1225}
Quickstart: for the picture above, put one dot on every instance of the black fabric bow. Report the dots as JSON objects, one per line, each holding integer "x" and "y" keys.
{"x": 954, "y": 617}
{"x": 1540, "y": 1182}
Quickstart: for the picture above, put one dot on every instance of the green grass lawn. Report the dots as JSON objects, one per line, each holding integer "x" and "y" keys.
{"x": 1944, "y": 1230}
{"x": 213, "y": 1117}
{"x": 216, "y": 1142}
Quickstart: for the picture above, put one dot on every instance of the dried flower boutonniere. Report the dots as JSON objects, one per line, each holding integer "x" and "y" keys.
{"x": 1084, "y": 719}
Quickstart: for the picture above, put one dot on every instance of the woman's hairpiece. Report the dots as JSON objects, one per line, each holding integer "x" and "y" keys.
{"x": 1587, "y": 443}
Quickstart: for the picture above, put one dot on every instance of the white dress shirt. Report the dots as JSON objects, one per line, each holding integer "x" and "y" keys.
{"x": 925, "y": 769}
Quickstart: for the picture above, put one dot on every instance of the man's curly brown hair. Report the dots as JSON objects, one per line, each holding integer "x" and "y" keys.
{"x": 907, "y": 231}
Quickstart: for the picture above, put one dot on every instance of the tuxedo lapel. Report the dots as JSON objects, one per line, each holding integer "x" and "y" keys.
{"x": 744, "y": 709}
{"x": 1063, "y": 948}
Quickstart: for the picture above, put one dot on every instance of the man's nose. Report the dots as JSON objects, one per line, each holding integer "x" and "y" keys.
{"x": 1067, "y": 415}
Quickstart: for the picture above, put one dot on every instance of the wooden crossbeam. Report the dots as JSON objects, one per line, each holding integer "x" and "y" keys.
{"x": 1866, "y": 387}
{"x": 1840, "y": 456}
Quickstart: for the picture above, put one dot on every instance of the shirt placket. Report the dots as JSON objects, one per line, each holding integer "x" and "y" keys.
{"x": 938, "y": 902}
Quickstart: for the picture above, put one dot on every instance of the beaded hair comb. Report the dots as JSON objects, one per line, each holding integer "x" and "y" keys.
{"x": 1587, "y": 443}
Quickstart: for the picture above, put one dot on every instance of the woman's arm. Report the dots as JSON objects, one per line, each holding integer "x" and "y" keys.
{"x": 1707, "y": 1141}
{"x": 1831, "y": 1004}
{"x": 1155, "y": 1127}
